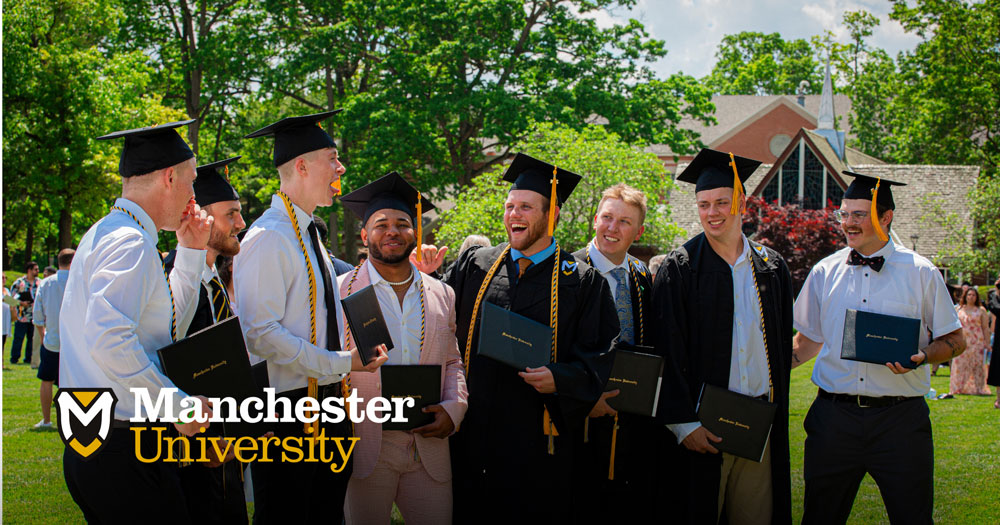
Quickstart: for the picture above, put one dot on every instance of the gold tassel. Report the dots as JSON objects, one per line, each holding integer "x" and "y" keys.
{"x": 227, "y": 172}
{"x": 614, "y": 443}
{"x": 874, "y": 213}
{"x": 586, "y": 430}
{"x": 737, "y": 187}
{"x": 553, "y": 202}
{"x": 336, "y": 186}
{"x": 549, "y": 429}
{"x": 420, "y": 227}
{"x": 312, "y": 390}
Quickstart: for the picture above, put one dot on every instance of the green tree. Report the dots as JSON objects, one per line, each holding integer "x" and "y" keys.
{"x": 61, "y": 90}
{"x": 599, "y": 156}
{"x": 860, "y": 24}
{"x": 753, "y": 63}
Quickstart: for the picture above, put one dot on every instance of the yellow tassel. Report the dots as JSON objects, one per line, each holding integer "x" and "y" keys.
{"x": 874, "y": 213}
{"x": 227, "y": 172}
{"x": 553, "y": 202}
{"x": 336, "y": 186}
{"x": 614, "y": 444}
{"x": 420, "y": 227}
{"x": 737, "y": 187}
{"x": 312, "y": 390}
{"x": 549, "y": 429}
{"x": 586, "y": 430}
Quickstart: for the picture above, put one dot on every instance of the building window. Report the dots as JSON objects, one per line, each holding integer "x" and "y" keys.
{"x": 803, "y": 179}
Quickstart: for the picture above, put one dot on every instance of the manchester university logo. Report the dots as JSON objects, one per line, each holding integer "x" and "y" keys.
{"x": 85, "y": 417}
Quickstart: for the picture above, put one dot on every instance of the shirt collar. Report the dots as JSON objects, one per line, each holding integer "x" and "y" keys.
{"x": 208, "y": 274}
{"x": 538, "y": 257}
{"x": 885, "y": 251}
{"x": 745, "y": 255}
{"x": 375, "y": 278}
{"x": 148, "y": 226}
{"x": 304, "y": 218}
{"x": 601, "y": 262}
{"x": 62, "y": 275}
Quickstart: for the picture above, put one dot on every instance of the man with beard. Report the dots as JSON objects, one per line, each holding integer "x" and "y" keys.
{"x": 512, "y": 457}
{"x": 214, "y": 492}
{"x": 619, "y": 468}
{"x": 871, "y": 418}
{"x": 291, "y": 315}
{"x": 118, "y": 310}
{"x": 723, "y": 307}
{"x": 412, "y": 469}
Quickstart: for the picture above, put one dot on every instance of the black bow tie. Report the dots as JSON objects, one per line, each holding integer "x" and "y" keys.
{"x": 856, "y": 259}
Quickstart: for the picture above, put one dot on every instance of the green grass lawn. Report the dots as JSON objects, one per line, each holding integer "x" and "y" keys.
{"x": 966, "y": 437}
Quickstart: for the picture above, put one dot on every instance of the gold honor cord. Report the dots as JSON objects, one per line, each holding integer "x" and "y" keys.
{"x": 173, "y": 313}
{"x": 737, "y": 187}
{"x": 420, "y": 230}
{"x": 347, "y": 329}
{"x": 642, "y": 339}
{"x": 548, "y": 427}
{"x": 312, "y": 390}
{"x": 874, "y": 213}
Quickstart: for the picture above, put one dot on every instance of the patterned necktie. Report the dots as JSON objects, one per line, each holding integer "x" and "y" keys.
{"x": 332, "y": 335}
{"x": 623, "y": 303}
{"x": 522, "y": 265}
{"x": 220, "y": 300}
{"x": 856, "y": 259}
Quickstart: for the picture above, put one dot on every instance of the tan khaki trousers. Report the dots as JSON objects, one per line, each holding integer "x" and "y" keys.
{"x": 745, "y": 489}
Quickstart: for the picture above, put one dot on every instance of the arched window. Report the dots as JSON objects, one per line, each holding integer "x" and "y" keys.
{"x": 803, "y": 179}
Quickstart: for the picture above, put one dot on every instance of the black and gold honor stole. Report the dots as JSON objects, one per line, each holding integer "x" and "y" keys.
{"x": 173, "y": 312}
{"x": 641, "y": 340}
{"x": 312, "y": 390}
{"x": 347, "y": 327}
{"x": 763, "y": 329}
{"x": 548, "y": 427}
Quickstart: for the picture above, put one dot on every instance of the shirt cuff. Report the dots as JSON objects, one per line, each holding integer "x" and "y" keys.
{"x": 340, "y": 362}
{"x": 190, "y": 260}
{"x": 683, "y": 430}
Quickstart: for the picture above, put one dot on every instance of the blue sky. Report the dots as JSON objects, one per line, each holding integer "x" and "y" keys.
{"x": 692, "y": 29}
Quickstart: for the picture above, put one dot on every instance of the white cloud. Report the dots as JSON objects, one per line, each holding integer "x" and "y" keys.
{"x": 692, "y": 29}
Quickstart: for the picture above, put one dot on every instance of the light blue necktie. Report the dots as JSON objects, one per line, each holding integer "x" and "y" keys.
{"x": 623, "y": 303}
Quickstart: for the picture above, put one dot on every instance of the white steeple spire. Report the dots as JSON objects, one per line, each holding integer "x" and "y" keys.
{"x": 825, "y": 120}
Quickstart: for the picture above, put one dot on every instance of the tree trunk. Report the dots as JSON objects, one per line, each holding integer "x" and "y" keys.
{"x": 66, "y": 226}
{"x": 29, "y": 242}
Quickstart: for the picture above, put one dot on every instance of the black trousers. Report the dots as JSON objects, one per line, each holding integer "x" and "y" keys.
{"x": 22, "y": 332}
{"x": 215, "y": 495}
{"x": 302, "y": 492}
{"x": 894, "y": 444}
{"x": 113, "y": 486}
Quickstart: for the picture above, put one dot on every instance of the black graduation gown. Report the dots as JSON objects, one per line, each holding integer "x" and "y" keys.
{"x": 993, "y": 305}
{"x": 213, "y": 495}
{"x": 693, "y": 305}
{"x": 502, "y": 471}
{"x": 643, "y": 446}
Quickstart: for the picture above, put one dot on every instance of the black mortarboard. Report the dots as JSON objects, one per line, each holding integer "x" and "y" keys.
{"x": 711, "y": 169}
{"x": 863, "y": 187}
{"x": 152, "y": 148}
{"x": 390, "y": 191}
{"x": 393, "y": 192}
{"x": 529, "y": 173}
{"x": 294, "y": 136}
{"x": 212, "y": 185}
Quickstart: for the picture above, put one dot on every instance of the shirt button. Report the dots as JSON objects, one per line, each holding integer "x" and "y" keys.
{"x": 861, "y": 379}
{"x": 741, "y": 350}
{"x": 864, "y": 300}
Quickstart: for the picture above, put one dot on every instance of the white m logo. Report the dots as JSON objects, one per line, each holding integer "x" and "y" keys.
{"x": 85, "y": 416}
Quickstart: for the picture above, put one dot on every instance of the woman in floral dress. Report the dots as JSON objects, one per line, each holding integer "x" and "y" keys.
{"x": 967, "y": 374}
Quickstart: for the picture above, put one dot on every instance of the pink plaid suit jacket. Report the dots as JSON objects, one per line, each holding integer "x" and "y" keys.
{"x": 440, "y": 347}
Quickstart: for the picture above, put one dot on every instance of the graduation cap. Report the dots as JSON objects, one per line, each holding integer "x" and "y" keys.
{"x": 875, "y": 189}
{"x": 294, "y": 136}
{"x": 392, "y": 192}
{"x": 712, "y": 169}
{"x": 528, "y": 173}
{"x": 212, "y": 184}
{"x": 151, "y": 148}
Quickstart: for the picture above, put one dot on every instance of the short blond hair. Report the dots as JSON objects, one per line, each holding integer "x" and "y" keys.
{"x": 628, "y": 195}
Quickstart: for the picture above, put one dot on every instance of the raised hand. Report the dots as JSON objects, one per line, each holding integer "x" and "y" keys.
{"x": 195, "y": 228}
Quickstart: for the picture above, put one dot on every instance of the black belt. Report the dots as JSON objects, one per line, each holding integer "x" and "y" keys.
{"x": 865, "y": 401}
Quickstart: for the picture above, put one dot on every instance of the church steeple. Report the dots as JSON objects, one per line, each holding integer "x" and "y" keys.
{"x": 825, "y": 120}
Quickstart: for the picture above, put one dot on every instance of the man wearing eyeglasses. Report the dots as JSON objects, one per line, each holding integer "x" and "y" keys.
{"x": 871, "y": 418}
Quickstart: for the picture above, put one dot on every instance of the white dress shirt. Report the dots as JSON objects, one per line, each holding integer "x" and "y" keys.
{"x": 748, "y": 369}
{"x": 403, "y": 321}
{"x": 116, "y": 309}
{"x": 206, "y": 277}
{"x": 605, "y": 267}
{"x": 908, "y": 285}
{"x": 272, "y": 293}
{"x": 48, "y": 301}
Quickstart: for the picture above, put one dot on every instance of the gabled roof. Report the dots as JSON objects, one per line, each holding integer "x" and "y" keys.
{"x": 824, "y": 152}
